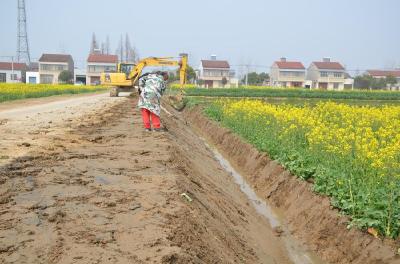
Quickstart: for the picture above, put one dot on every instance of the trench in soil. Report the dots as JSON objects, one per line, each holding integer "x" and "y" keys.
{"x": 297, "y": 253}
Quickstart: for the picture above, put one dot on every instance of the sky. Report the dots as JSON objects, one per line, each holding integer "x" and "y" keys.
{"x": 361, "y": 34}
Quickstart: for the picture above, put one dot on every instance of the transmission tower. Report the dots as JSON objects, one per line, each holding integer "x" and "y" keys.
{"x": 22, "y": 37}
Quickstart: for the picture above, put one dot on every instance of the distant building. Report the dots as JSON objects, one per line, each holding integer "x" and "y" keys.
{"x": 97, "y": 64}
{"x": 12, "y": 72}
{"x": 32, "y": 74}
{"x": 287, "y": 73}
{"x": 326, "y": 75}
{"x": 213, "y": 72}
{"x": 80, "y": 76}
{"x": 51, "y": 65}
{"x": 379, "y": 74}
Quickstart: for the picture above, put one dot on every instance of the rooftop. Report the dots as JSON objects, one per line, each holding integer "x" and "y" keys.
{"x": 384, "y": 73}
{"x": 55, "y": 58}
{"x": 102, "y": 58}
{"x": 10, "y": 66}
{"x": 325, "y": 65}
{"x": 293, "y": 65}
{"x": 215, "y": 64}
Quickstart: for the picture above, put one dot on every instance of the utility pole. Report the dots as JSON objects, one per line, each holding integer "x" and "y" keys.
{"x": 23, "y": 54}
{"x": 247, "y": 75}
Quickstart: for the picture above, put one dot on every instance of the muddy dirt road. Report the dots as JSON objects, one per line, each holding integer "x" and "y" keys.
{"x": 81, "y": 182}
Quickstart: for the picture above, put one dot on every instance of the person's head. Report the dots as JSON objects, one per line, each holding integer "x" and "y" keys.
{"x": 164, "y": 74}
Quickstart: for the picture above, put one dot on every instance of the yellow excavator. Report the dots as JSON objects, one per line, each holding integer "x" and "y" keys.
{"x": 128, "y": 74}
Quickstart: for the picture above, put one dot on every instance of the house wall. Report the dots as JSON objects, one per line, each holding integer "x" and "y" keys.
{"x": 215, "y": 76}
{"x": 287, "y": 77}
{"x": 30, "y": 76}
{"x": 94, "y": 70}
{"x": 55, "y": 69}
{"x": 274, "y": 75}
{"x": 8, "y": 73}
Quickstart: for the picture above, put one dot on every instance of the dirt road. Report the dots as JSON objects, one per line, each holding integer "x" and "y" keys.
{"x": 81, "y": 182}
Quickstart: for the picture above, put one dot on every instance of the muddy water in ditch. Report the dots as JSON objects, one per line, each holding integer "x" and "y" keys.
{"x": 297, "y": 253}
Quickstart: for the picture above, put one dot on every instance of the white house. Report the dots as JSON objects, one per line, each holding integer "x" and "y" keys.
{"x": 12, "y": 72}
{"x": 285, "y": 73}
{"x": 51, "y": 65}
{"x": 99, "y": 63}
{"x": 213, "y": 73}
{"x": 326, "y": 75}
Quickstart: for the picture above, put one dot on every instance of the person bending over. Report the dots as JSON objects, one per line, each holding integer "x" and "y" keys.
{"x": 151, "y": 88}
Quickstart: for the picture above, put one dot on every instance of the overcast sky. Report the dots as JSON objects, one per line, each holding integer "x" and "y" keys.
{"x": 361, "y": 34}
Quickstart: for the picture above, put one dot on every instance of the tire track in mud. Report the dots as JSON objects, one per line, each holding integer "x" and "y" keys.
{"x": 105, "y": 191}
{"x": 92, "y": 195}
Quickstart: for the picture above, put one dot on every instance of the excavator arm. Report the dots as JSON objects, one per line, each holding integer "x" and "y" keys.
{"x": 160, "y": 62}
{"x": 122, "y": 81}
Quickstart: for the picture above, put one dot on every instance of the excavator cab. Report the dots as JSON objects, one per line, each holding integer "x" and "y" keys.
{"x": 126, "y": 68}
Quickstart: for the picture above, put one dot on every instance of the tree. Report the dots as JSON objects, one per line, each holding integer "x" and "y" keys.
{"x": 65, "y": 77}
{"x": 94, "y": 45}
{"x": 363, "y": 82}
{"x": 190, "y": 74}
{"x": 120, "y": 50}
{"x": 254, "y": 78}
{"x": 368, "y": 82}
{"x": 107, "y": 48}
{"x": 224, "y": 81}
{"x": 130, "y": 51}
{"x": 391, "y": 80}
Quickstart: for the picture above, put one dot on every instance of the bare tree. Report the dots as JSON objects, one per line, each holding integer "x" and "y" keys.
{"x": 107, "y": 48}
{"x": 94, "y": 45}
{"x": 130, "y": 51}
{"x": 120, "y": 50}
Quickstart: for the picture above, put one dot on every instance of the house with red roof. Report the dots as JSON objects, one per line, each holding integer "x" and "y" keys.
{"x": 286, "y": 73}
{"x": 12, "y": 72}
{"x": 381, "y": 74}
{"x": 215, "y": 73}
{"x": 51, "y": 65}
{"x": 328, "y": 75}
{"x": 97, "y": 64}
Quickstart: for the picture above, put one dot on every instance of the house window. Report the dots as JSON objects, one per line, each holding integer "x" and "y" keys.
{"x": 45, "y": 67}
{"x": 335, "y": 86}
{"x": 46, "y": 78}
{"x": 3, "y": 77}
{"x": 324, "y": 74}
{"x": 53, "y": 67}
{"x": 14, "y": 77}
{"x": 337, "y": 74}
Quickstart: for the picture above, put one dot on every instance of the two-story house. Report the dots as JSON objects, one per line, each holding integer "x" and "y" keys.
{"x": 98, "y": 63}
{"x": 215, "y": 73}
{"x": 285, "y": 73}
{"x": 12, "y": 72}
{"x": 51, "y": 65}
{"x": 327, "y": 75}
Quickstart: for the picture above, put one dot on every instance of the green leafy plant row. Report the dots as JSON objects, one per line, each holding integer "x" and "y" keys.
{"x": 294, "y": 92}
{"x": 363, "y": 184}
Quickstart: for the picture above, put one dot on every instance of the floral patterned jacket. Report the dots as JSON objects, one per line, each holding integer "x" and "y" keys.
{"x": 151, "y": 87}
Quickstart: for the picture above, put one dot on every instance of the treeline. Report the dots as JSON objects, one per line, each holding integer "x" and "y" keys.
{"x": 368, "y": 82}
